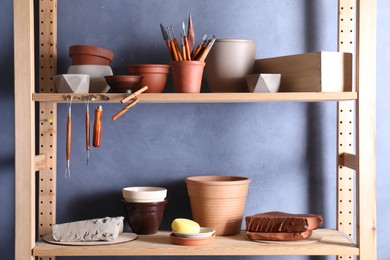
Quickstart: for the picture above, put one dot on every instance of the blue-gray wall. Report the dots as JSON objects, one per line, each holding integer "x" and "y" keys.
{"x": 287, "y": 149}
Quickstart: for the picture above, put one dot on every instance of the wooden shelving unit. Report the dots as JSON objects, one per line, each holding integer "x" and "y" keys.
{"x": 204, "y": 97}
{"x": 355, "y": 162}
{"x": 331, "y": 242}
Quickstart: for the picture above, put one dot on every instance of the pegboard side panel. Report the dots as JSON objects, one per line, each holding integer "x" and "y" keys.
{"x": 47, "y": 116}
{"x": 346, "y": 121}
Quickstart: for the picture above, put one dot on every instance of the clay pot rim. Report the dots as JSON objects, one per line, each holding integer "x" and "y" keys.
{"x": 91, "y": 50}
{"x": 217, "y": 180}
{"x": 124, "y": 78}
{"x": 193, "y": 62}
{"x": 234, "y": 40}
{"x": 148, "y": 68}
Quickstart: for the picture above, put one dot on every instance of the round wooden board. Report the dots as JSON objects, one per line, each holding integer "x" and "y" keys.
{"x": 122, "y": 238}
{"x": 310, "y": 240}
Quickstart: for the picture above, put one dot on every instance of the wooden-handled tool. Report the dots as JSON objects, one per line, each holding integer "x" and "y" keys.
{"x": 134, "y": 95}
{"x": 123, "y": 110}
{"x": 68, "y": 137}
{"x": 186, "y": 49}
{"x": 97, "y": 127}
{"x": 87, "y": 129}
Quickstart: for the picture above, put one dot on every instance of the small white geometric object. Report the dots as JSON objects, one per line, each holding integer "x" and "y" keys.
{"x": 263, "y": 83}
{"x": 72, "y": 83}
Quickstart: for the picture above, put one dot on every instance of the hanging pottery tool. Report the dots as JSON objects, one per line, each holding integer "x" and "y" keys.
{"x": 131, "y": 104}
{"x": 191, "y": 34}
{"x": 68, "y": 136}
{"x": 97, "y": 127}
{"x": 87, "y": 128}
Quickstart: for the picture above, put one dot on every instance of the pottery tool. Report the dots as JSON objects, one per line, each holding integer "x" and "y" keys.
{"x": 97, "y": 127}
{"x": 186, "y": 49}
{"x": 131, "y": 104}
{"x": 68, "y": 137}
{"x": 183, "y": 48}
{"x": 203, "y": 54}
{"x": 131, "y": 96}
{"x": 191, "y": 34}
{"x": 175, "y": 44}
{"x": 199, "y": 48}
{"x": 166, "y": 39}
{"x": 124, "y": 110}
{"x": 87, "y": 128}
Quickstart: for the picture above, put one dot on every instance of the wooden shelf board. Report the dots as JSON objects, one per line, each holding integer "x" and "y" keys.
{"x": 332, "y": 242}
{"x": 204, "y": 97}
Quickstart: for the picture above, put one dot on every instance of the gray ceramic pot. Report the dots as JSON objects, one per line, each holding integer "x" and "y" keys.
{"x": 227, "y": 64}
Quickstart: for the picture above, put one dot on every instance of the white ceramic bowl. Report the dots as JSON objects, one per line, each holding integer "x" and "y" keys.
{"x": 96, "y": 72}
{"x": 144, "y": 194}
{"x": 204, "y": 232}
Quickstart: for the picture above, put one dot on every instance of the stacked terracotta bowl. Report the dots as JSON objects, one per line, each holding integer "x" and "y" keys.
{"x": 154, "y": 76}
{"x": 93, "y": 61}
{"x": 144, "y": 207}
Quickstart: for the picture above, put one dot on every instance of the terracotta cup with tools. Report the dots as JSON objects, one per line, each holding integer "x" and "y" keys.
{"x": 187, "y": 76}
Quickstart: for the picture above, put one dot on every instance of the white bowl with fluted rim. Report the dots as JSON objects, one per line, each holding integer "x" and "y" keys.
{"x": 144, "y": 194}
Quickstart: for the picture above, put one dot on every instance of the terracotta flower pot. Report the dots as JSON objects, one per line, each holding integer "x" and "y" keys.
{"x": 87, "y": 54}
{"x": 155, "y": 75}
{"x": 187, "y": 76}
{"x": 144, "y": 218}
{"x": 218, "y": 202}
{"x": 228, "y": 62}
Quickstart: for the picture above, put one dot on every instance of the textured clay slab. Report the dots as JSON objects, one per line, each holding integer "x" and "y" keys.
{"x": 278, "y": 236}
{"x": 275, "y": 221}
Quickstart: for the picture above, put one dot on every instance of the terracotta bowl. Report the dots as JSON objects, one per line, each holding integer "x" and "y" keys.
{"x": 88, "y": 54}
{"x": 124, "y": 83}
{"x": 144, "y": 218}
{"x": 155, "y": 75}
{"x": 144, "y": 194}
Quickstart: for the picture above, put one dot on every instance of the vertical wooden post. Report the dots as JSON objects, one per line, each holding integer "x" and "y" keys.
{"x": 24, "y": 129}
{"x": 366, "y": 153}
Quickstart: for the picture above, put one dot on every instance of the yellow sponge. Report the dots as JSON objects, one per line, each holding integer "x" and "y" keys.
{"x": 183, "y": 225}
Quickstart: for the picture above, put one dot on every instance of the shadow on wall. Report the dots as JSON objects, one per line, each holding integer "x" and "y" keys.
{"x": 315, "y": 144}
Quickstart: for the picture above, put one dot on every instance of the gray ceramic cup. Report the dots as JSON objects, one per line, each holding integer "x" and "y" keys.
{"x": 227, "y": 64}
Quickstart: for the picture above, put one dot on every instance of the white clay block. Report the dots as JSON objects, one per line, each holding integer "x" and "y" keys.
{"x": 89, "y": 230}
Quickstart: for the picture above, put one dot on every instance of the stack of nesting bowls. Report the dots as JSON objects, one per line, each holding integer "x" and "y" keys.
{"x": 144, "y": 207}
{"x": 93, "y": 61}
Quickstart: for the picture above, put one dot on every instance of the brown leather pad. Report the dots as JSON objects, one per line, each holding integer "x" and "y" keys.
{"x": 275, "y": 221}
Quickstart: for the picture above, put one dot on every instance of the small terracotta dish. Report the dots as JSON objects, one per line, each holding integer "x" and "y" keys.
{"x": 204, "y": 232}
{"x": 144, "y": 194}
{"x": 89, "y": 54}
{"x": 124, "y": 83}
{"x": 184, "y": 241}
